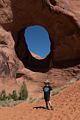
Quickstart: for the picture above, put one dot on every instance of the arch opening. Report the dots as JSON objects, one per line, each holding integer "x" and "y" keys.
{"x": 31, "y": 60}
{"x": 37, "y": 40}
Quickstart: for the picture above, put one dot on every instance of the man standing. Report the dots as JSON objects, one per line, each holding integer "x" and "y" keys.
{"x": 47, "y": 90}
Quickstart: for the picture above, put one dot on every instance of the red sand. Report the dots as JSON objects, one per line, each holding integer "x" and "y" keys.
{"x": 66, "y": 107}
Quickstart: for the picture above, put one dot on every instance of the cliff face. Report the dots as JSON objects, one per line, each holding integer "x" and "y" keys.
{"x": 62, "y": 20}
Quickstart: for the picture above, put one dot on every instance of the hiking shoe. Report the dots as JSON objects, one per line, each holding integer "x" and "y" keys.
{"x": 47, "y": 108}
{"x": 52, "y": 108}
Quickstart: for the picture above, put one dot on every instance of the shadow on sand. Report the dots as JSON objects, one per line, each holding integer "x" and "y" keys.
{"x": 39, "y": 107}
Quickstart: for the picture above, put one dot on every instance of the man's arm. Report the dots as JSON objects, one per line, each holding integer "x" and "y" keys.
{"x": 50, "y": 88}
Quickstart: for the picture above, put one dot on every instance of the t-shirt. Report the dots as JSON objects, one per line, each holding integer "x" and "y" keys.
{"x": 47, "y": 90}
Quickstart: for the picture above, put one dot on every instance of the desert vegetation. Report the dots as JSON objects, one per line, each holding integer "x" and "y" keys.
{"x": 15, "y": 97}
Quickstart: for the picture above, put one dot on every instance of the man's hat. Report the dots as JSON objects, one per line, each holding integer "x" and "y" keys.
{"x": 46, "y": 82}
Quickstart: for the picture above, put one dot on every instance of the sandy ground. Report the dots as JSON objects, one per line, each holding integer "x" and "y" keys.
{"x": 66, "y": 107}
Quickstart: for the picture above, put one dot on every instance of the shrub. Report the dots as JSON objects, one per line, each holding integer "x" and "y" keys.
{"x": 23, "y": 94}
{"x": 9, "y": 96}
{"x": 3, "y": 95}
{"x": 0, "y": 95}
{"x": 14, "y": 95}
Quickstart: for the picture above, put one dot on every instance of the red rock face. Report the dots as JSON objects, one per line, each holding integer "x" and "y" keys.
{"x": 62, "y": 20}
{"x": 8, "y": 60}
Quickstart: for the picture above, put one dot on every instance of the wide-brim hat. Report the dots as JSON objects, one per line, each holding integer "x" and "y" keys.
{"x": 46, "y": 82}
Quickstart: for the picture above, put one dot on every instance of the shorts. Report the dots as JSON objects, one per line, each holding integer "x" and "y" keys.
{"x": 47, "y": 98}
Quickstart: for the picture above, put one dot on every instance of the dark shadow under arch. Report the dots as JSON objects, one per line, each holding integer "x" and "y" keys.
{"x": 25, "y": 56}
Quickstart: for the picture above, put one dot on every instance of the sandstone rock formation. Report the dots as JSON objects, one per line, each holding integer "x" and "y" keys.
{"x": 62, "y": 20}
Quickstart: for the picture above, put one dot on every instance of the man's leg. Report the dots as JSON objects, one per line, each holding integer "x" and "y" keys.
{"x": 51, "y": 105}
{"x": 46, "y": 104}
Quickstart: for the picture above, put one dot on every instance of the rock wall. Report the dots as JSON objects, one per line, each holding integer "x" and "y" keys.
{"x": 61, "y": 19}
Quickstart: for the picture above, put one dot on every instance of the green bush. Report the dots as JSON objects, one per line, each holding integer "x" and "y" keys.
{"x": 14, "y": 95}
{"x": 0, "y": 95}
{"x": 23, "y": 94}
{"x": 3, "y": 95}
{"x": 9, "y": 96}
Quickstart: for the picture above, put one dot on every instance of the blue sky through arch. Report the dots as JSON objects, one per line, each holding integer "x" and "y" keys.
{"x": 37, "y": 39}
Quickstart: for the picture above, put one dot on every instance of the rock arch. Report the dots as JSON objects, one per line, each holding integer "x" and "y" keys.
{"x": 61, "y": 21}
